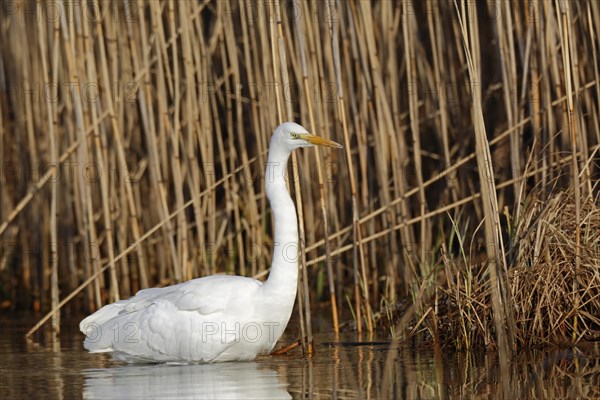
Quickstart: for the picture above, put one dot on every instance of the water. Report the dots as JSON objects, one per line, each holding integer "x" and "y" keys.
{"x": 340, "y": 371}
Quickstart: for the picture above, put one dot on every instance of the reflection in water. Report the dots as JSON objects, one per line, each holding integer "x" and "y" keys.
{"x": 339, "y": 370}
{"x": 244, "y": 380}
{"x": 535, "y": 374}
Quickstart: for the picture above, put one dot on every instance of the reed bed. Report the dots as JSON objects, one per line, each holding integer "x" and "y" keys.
{"x": 133, "y": 139}
{"x": 554, "y": 302}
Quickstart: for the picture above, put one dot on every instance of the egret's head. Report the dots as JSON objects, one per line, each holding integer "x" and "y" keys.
{"x": 291, "y": 136}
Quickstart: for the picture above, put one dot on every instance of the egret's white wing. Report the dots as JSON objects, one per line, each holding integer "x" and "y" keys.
{"x": 141, "y": 299}
{"x": 184, "y": 321}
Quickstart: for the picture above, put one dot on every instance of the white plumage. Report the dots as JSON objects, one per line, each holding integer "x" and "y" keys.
{"x": 218, "y": 317}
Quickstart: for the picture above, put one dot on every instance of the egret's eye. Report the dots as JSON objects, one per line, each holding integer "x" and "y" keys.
{"x": 295, "y": 135}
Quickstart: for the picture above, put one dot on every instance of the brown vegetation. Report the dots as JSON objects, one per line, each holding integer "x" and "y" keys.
{"x": 133, "y": 137}
{"x": 553, "y": 302}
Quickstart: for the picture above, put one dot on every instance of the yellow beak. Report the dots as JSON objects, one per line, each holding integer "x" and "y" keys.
{"x": 319, "y": 141}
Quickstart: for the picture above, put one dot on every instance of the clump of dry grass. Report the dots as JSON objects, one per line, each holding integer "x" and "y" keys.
{"x": 553, "y": 301}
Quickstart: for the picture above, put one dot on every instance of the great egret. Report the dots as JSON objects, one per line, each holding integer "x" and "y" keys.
{"x": 218, "y": 317}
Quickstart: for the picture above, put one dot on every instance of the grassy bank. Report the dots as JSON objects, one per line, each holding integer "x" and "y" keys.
{"x": 133, "y": 141}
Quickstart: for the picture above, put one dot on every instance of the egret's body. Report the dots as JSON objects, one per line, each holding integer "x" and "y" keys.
{"x": 219, "y": 317}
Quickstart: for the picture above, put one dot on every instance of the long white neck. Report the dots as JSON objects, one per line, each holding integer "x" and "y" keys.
{"x": 283, "y": 279}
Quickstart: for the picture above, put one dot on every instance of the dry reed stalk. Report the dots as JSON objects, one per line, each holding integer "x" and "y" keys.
{"x": 280, "y": 65}
{"x": 230, "y": 126}
{"x": 190, "y": 126}
{"x": 534, "y": 100}
{"x": 496, "y": 265}
{"x": 100, "y": 145}
{"x": 594, "y": 45}
{"x": 54, "y": 212}
{"x": 4, "y": 199}
{"x": 251, "y": 68}
{"x": 41, "y": 281}
{"x": 436, "y": 33}
{"x": 564, "y": 25}
{"x": 504, "y": 32}
{"x": 319, "y": 57}
{"x": 175, "y": 131}
{"x": 319, "y": 167}
{"x": 408, "y": 35}
{"x": 227, "y": 184}
{"x": 142, "y": 63}
{"x": 390, "y": 24}
{"x": 71, "y": 61}
{"x": 398, "y": 153}
{"x": 122, "y": 159}
{"x": 242, "y": 133}
{"x": 205, "y": 160}
{"x": 360, "y": 279}
{"x": 310, "y": 73}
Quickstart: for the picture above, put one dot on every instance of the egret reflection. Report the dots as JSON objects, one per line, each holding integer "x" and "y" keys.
{"x": 246, "y": 380}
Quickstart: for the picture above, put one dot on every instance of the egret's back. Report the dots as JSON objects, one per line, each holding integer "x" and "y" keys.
{"x": 203, "y": 320}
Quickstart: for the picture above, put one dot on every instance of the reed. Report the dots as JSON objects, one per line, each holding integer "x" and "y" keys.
{"x": 133, "y": 139}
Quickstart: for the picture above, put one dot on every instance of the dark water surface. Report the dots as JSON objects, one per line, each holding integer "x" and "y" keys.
{"x": 340, "y": 371}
